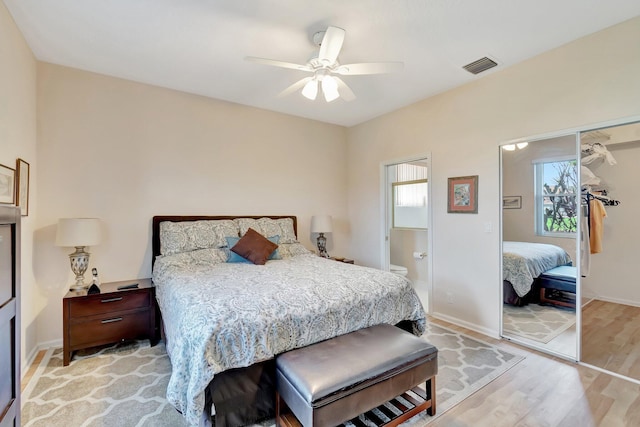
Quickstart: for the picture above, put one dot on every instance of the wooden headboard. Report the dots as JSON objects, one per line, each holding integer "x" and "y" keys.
{"x": 155, "y": 231}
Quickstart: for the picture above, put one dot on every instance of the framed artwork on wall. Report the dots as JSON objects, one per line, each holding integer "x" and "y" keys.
{"x": 512, "y": 202}
{"x": 7, "y": 185}
{"x": 22, "y": 186}
{"x": 462, "y": 194}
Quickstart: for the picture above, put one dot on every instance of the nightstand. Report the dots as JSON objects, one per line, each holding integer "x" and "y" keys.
{"x": 110, "y": 316}
{"x": 341, "y": 259}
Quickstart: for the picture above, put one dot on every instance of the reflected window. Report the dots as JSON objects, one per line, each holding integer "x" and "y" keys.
{"x": 556, "y": 191}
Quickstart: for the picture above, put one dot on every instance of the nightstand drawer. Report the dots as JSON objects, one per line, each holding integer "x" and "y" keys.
{"x": 109, "y": 328}
{"x": 108, "y": 303}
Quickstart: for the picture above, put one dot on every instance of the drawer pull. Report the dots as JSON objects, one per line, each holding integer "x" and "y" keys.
{"x": 111, "y": 299}
{"x": 116, "y": 319}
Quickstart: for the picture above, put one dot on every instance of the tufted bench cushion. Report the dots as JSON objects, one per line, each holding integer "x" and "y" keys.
{"x": 333, "y": 381}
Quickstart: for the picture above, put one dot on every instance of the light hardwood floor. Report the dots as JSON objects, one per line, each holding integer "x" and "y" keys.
{"x": 539, "y": 391}
{"x": 545, "y": 391}
{"x": 611, "y": 337}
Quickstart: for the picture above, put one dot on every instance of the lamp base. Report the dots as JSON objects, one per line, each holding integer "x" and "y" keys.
{"x": 79, "y": 262}
{"x": 322, "y": 246}
{"x": 79, "y": 287}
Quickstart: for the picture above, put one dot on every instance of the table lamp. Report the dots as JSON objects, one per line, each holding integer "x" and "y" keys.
{"x": 78, "y": 232}
{"x": 321, "y": 224}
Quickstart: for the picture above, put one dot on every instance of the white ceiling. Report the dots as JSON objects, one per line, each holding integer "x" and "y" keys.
{"x": 198, "y": 46}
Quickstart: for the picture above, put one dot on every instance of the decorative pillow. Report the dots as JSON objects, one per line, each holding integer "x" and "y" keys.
{"x": 235, "y": 258}
{"x": 282, "y": 227}
{"x": 186, "y": 236}
{"x": 254, "y": 247}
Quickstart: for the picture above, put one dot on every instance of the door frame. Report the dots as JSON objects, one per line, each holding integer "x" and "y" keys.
{"x": 386, "y": 218}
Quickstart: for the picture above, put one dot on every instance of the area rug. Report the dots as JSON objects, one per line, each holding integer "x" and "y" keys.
{"x": 537, "y": 322}
{"x": 125, "y": 385}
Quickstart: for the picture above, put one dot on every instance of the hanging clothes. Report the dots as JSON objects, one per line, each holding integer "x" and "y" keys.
{"x": 585, "y": 247}
{"x": 596, "y": 225}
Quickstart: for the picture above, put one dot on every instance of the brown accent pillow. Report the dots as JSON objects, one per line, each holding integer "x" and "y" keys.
{"x": 254, "y": 247}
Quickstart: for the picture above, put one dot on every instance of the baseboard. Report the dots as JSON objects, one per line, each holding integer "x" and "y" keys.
{"x": 34, "y": 352}
{"x": 617, "y": 301}
{"x": 484, "y": 331}
{"x": 28, "y": 361}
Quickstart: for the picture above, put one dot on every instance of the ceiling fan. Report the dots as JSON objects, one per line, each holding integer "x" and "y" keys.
{"x": 326, "y": 68}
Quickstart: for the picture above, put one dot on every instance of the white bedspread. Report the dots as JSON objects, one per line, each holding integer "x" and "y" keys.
{"x": 223, "y": 316}
{"x": 522, "y": 262}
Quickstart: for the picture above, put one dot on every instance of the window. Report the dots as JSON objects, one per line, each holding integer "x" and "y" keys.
{"x": 414, "y": 193}
{"x": 556, "y": 191}
{"x": 410, "y": 193}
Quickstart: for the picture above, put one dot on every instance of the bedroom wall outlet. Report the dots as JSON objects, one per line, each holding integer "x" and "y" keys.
{"x": 449, "y": 298}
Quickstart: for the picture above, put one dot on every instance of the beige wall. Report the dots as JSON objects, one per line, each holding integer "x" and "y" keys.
{"x": 18, "y": 140}
{"x": 124, "y": 151}
{"x": 590, "y": 80}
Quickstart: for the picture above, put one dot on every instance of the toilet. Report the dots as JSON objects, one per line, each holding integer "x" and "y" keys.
{"x": 398, "y": 269}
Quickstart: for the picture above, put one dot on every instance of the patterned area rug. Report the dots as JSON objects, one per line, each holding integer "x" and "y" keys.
{"x": 125, "y": 385}
{"x": 537, "y": 322}
{"x": 122, "y": 385}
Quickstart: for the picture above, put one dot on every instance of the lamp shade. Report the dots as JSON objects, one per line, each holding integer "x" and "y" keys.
{"x": 78, "y": 232}
{"x": 321, "y": 224}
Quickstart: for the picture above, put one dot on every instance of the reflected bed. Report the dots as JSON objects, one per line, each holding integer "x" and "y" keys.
{"x": 522, "y": 262}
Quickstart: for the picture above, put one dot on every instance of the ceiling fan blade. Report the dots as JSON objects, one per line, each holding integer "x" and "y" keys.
{"x": 369, "y": 68}
{"x": 281, "y": 64}
{"x": 294, "y": 87}
{"x": 345, "y": 91}
{"x": 331, "y": 45}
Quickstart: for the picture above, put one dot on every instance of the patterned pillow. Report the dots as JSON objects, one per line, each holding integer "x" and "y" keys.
{"x": 186, "y": 236}
{"x": 254, "y": 247}
{"x": 197, "y": 257}
{"x": 289, "y": 250}
{"x": 282, "y": 227}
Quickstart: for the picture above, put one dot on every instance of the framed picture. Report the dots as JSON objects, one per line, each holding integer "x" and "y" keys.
{"x": 512, "y": 202}
{"x": 7, "y": 185}
{"x": 462, "y": 195}
{"x": 22, "y": 186}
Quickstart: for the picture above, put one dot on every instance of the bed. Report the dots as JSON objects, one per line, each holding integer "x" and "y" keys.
{"x": 224, "y": 322}
{"x": 522, "y": 262}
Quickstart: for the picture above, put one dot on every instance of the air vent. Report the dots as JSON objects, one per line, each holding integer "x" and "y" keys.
{"x": 483, "y": 64}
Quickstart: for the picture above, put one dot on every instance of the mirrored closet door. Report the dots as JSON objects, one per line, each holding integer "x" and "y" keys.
{"x": 610, "y": 159}
{"x": 540, "y": 219}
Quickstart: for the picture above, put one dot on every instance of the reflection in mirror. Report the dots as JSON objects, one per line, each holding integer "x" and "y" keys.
{"x": 611, "y": 318}
{"x": 539, "y": 222}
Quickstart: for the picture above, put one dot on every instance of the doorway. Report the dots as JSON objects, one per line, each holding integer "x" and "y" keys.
{"x": 407, "y": 222}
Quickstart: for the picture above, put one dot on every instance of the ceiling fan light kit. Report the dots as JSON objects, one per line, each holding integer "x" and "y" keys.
{"x": 325, "y": 66}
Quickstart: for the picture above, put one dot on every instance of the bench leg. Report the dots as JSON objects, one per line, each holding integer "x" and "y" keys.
{"x": 431, "y": 394}
{"x": 278, "y": 409}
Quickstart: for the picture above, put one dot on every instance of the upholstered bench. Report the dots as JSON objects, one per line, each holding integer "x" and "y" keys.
{"x": 562, "y": 280}
{"x": 333, "y": 381}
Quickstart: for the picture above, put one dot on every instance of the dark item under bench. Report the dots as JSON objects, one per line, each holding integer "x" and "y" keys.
{"x": 333, "y": 381}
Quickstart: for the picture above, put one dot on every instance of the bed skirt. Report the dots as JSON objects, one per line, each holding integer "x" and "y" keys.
{"x": 512, "y": 298}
